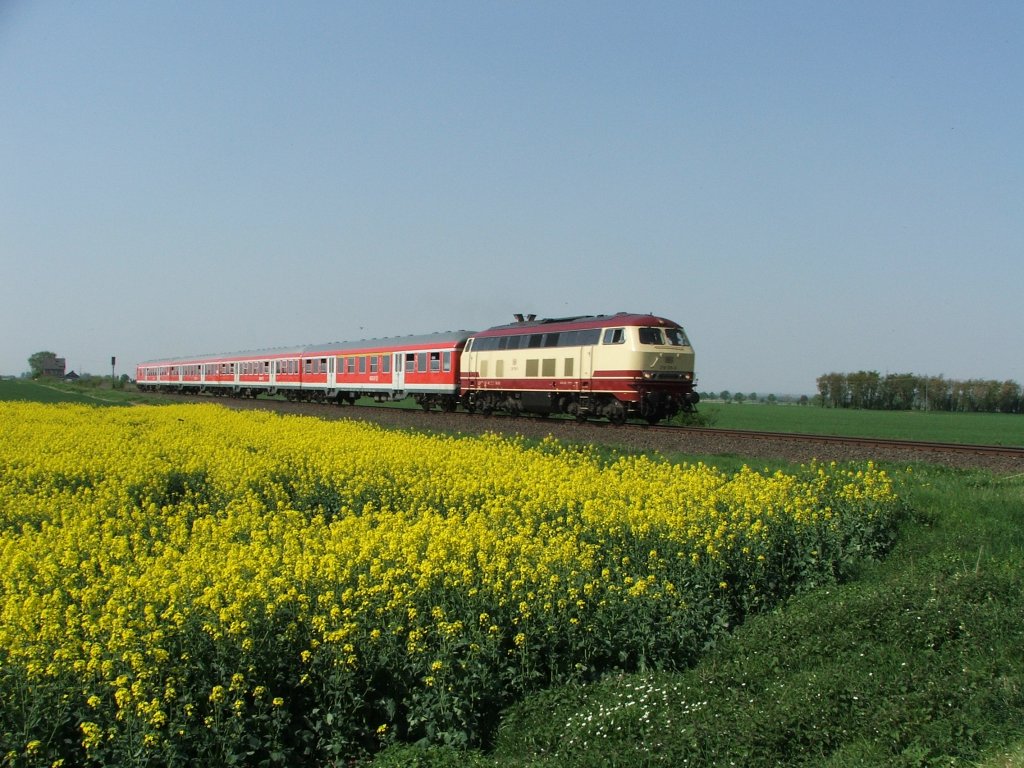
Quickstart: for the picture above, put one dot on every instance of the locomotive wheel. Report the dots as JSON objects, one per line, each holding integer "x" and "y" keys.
{"x": 617, "y": 413}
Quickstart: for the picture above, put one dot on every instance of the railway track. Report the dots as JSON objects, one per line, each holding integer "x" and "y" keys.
{"x": 910, "y": 445}
{"x": 696, "y": 441}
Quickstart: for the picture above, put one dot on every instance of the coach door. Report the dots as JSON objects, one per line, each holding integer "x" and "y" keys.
{"x": 398, "y": 375}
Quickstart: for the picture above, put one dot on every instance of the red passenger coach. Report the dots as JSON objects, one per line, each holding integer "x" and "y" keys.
{"x": 425, "y": 367}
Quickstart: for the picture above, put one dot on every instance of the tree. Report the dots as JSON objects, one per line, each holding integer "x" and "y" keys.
{"x": 40, "y": 362}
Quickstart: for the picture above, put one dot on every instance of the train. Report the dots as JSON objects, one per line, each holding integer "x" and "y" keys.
{"x": 617, "y": 367}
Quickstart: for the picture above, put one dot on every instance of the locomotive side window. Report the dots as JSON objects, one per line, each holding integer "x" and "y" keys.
{"x": 551, "y": 340}
{"x": 568, "y": 366}
{"x": 536, "y": 340}
{"x": 532, "y": 367}
{"x": 548, "y": 366}
{"x": 615, "y": 336}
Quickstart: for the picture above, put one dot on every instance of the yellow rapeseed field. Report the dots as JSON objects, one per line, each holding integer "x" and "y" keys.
{"x": 186, "y": 581}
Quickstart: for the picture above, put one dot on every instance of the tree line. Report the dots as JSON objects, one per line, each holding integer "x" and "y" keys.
{"x": 910, "y": 391}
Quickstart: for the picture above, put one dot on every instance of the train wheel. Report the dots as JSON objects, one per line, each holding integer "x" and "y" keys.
{"x": 617, "y": 413}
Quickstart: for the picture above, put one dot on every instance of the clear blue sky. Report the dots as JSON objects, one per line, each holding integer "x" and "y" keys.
{"x": 806, "y": 186}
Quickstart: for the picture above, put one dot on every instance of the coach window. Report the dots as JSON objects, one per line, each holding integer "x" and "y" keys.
{"x": 308, "y": 365}
{"x": 447, "y": 362}
{"x": 435, "y": 362}
{"x": 350, "y": 364}
{"x": 410, "y": 362}
{"x": 615, "y": 336}
{"x": 362, "y": 364}
{"x": 373, "y": 364}
{"x": 421, "y": 362}
{"x": 385, "y": 363}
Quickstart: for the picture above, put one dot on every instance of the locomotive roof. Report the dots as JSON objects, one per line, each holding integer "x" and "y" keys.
{"x": 579, "y": 322}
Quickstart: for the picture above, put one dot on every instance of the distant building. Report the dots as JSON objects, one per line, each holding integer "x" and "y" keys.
{"x": 53, "y": 366}
{"x": 71, "y": 376}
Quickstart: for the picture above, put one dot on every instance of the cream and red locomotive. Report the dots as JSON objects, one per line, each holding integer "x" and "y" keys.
{"x": 612, "y": 366}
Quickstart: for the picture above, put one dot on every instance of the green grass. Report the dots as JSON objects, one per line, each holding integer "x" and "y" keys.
{"x": 915, "y": 662}
{"x": 970, "y": 428}
{"x": 52, "y": 391}
{"x": 976, "y": 428}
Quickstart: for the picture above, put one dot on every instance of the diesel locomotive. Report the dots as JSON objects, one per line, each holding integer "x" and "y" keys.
{"x": 617, "y": 367}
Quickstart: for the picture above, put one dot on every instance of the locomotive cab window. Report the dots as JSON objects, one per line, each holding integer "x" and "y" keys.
{"x": 615, "y": 336}
{"x": 651, "y": 336}
{"x": 677, "y": 337}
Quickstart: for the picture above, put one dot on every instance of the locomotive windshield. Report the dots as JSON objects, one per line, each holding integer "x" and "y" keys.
{"x": 677, "y": 337}
{"x": 674, "y": 337}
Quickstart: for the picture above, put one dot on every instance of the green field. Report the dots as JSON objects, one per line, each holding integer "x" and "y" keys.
{"x": 970, "y": 428}
{"x": 915, "y": 661}
{"x": 52, "y": 391}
